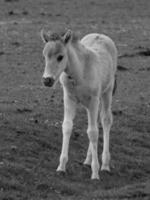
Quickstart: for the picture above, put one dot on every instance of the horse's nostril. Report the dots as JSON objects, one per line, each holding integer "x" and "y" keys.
{"x": 49, "y": 81}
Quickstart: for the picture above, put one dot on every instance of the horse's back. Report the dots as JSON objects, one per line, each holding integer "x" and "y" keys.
{"x": 101, "y": 43}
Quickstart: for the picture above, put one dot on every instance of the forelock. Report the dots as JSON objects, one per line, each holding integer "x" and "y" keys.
{"x": 53, "y": 47}
{"x": 54, "y": 36}
{"x": 57, "y": 36}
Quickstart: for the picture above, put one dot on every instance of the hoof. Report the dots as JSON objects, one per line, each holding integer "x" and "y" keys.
{"x": 60, "y": 173}
{"x": 87, "y": 164}
{"x": 95, "y": 177}
{"x": 61, "y": 168}
{"x": 105, "y": 168}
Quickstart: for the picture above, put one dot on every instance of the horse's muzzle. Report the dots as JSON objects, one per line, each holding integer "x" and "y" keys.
{"x": 49, "y": 81}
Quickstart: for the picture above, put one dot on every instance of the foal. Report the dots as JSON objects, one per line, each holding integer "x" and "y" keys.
{"x": 86, "y": 69}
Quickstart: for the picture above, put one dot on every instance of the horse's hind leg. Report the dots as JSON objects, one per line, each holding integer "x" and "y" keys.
{"x": 106, "y": 120}
{"x": 69, "y": 114}
{"x": 92, "y": 132}
{"x": 88, "y": 159}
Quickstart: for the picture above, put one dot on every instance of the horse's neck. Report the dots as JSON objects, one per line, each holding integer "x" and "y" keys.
{"x": 76, "y": 62}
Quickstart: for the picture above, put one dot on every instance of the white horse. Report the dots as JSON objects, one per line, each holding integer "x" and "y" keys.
{"x": 86, "y": 69}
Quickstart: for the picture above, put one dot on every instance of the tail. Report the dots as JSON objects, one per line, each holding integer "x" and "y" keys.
{"x": 115, "y": 85}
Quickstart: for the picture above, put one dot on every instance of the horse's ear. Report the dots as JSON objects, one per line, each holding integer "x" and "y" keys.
{"x": 68, "y": 36}
{"x": 44, "y": 36}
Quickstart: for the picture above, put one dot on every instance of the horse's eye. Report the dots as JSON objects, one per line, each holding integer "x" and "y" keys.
{"x": 59, "y": 58}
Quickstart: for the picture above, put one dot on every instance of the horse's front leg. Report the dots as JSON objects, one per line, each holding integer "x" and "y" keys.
{"x": 69, "y": 114}
{"x": 92, "y": 131}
